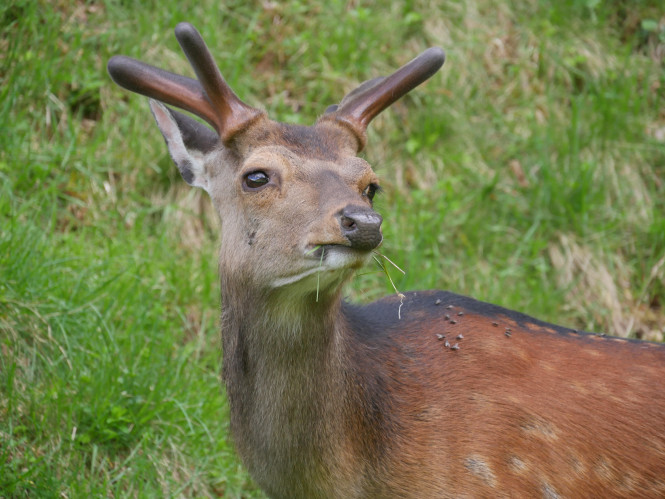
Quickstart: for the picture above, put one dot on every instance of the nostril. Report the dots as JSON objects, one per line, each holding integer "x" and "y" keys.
{"x": 348, "y": 223}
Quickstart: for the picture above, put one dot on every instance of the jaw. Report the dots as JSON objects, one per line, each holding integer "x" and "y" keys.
{"x": 325, "y": 268}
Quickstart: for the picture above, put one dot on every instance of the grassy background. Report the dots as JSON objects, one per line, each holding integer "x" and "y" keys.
{"x": 529, "y": 172}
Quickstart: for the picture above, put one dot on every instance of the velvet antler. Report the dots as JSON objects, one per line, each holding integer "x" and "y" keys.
{"x": 209, "y": 98}
{"x": 363, "y": 104}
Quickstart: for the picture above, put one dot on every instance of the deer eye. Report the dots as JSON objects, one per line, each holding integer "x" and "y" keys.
{"x": 370, "y": 191}
{"x": 256, "y": 180}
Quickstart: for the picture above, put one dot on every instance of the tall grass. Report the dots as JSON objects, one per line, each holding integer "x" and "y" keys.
{"x": 529, "y": 172}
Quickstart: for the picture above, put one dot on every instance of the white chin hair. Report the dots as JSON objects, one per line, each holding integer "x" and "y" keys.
{"x": 334, "y": 258}
{"x": 338, "y": 257}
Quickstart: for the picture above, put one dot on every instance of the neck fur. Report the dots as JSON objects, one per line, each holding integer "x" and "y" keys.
{"x": 286, "y": 386}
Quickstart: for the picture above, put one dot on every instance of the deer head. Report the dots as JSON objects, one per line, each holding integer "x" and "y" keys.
{"x": 295, "y": 202}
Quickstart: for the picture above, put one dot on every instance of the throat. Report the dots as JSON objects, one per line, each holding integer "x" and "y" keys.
{"x": 282, "y": 370}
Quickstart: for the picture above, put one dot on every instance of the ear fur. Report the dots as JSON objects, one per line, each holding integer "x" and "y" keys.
{"x": 188, "y": 142}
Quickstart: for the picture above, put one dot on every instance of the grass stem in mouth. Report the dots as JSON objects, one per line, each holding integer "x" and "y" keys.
{"x": 314, "y": 250}
{"x": 318, "y": 274}
{"x": 392, "y": 283}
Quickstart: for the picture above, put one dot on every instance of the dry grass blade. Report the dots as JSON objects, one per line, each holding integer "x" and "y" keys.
{"x": 387, "y": 274}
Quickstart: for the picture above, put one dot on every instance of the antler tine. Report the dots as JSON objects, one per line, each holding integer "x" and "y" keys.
{"x": 359, "y": 110}
{"x": 180, "y": 91}
{"x": 234, "y": 114}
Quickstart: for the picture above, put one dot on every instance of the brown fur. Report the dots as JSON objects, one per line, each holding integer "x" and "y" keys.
{"x": 541, "y": 412}
{"x": 428, "y": 395}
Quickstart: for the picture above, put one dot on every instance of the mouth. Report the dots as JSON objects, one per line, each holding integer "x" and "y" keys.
{"x": 330, "y": 259}
{"x": 321, "y": 251}
{"x": 335, "y": 255}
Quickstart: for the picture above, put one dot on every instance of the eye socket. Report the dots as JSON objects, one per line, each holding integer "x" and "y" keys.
{"x": 371, "y": 190}
{"x": 256, "y": 179}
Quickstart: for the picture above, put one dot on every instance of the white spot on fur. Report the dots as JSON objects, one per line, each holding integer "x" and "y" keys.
{"x": 481, "y": 469}
{"x": 549, "y": 492}
{"x": 516, "y": 464}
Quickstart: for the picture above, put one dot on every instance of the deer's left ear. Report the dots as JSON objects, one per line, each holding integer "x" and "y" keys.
{"x": 188, "y": 142}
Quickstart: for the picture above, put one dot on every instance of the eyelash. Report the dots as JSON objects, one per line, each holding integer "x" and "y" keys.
{"x": 371, "y": 191}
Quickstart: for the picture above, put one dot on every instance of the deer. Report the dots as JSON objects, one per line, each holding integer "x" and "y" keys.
{"x": 429, "y": 394}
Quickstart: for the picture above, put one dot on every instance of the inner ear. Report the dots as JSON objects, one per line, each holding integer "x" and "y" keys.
{"x": 188, "y": 142}
{"x": 195, "y": 135}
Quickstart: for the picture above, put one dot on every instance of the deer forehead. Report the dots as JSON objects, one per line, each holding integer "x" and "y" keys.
{"x": 296, "y": 168}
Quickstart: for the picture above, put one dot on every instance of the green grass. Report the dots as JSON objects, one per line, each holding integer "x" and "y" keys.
{"x": 530, "y": 172}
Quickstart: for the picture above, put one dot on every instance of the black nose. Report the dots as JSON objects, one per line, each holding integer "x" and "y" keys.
{"x": 362, "y": 227}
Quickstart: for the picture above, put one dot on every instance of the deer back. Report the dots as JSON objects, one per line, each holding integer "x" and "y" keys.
{"x": 488, "y": 402}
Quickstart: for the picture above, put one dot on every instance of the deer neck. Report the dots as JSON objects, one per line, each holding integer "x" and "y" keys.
{"x": 287, "y": 393}
{"x": 264, "y": 332}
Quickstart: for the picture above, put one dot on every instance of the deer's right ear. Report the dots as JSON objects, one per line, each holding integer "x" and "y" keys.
{"x": 188, "y": 142}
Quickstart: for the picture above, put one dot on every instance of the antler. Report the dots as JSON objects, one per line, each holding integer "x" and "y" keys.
{"x": 209, "y": 98}
{"x": 363, "y": 104}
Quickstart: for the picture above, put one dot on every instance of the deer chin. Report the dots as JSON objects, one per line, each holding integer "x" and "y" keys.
{"x": 325, "y": 263}
{"x": 337, "y": 256}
